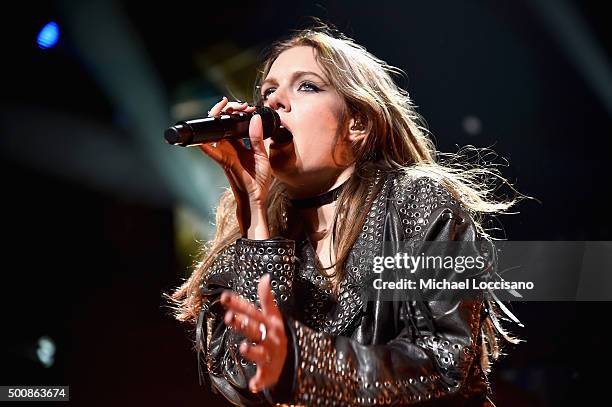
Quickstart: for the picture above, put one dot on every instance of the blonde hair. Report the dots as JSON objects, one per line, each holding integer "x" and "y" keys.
{"x": 398, "y": 140}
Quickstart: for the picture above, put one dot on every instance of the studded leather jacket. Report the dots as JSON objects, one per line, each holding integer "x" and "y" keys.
{"x": 345, "y": 351}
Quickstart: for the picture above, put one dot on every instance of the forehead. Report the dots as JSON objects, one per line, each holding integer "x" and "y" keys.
{"x": 301, "y": 58}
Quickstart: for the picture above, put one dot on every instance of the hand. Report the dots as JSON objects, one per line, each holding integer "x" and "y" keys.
{"x": 247, "y": 170}
{"x": 269, "y": 355}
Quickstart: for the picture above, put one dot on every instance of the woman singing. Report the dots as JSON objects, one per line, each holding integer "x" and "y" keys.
{"x": 277, "y": 298}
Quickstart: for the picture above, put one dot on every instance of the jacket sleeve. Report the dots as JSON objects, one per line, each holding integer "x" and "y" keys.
{"x": 430, "y": 355}
{"x": 239, "y": 268}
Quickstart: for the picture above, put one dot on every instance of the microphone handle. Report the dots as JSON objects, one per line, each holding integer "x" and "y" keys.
{"x": 227, "y": 126}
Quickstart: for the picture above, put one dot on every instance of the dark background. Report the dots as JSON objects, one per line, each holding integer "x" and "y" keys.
{"x": 89, "y": 223}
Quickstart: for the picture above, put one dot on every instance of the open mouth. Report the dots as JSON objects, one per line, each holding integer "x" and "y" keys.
{"x": 283, "y": 124}
{"x": 282, "y": 137}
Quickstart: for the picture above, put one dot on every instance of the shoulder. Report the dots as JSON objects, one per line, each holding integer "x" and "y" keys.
{"x": 421, "y": 189}
{"x": 417, "y": 197}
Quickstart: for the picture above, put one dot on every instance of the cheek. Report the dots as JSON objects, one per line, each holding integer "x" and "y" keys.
{"x": 318, "y": 124}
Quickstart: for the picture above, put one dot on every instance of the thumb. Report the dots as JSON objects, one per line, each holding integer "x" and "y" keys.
{"x": 256, "y": 135}
{"x": 255, "y": 384}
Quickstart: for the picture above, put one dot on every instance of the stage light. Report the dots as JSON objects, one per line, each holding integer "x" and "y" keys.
{"x": 48, "y": 36}
{"x": 46, "y": 351}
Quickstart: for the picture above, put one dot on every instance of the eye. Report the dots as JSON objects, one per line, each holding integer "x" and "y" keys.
{"x": 266, "y": 93}
{"x": 305, "y": 86}
{"x": 312, "y": 86}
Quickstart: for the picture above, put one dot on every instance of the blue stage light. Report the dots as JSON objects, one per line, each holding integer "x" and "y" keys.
{"x": 46, "y": 351}
{"x": 48, "y": 36}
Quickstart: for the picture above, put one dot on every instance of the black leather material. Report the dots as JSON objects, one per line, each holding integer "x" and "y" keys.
{"x": 275, "y": 257}
{"x": 239, "y": 267}
{"x": 387, "y": 352}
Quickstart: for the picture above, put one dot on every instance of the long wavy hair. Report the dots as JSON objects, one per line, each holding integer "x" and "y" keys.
{"x": 398, "y": 141}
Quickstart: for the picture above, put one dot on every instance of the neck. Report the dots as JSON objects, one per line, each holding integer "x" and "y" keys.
{"x": 317, "y": 183}
{"x": 319, "y": 219}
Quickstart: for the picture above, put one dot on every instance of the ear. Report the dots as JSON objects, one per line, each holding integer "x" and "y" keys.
{"x": 358, "y": 128}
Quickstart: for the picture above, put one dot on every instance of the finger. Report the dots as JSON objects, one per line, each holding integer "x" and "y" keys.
{"x": 212, "y": 151}
{"x": 266, "y": 297}
{"x": 256, "y": 382}
{"x": 235, "y": 107}
{"x": 233, "y": 302}
{"x": 243, "y": 324}
{"x": 256, "y": 354}
{"x": 220, "y": 151}
{"x": 218, "y": 107}
{"x": 256, "y": 136}
{"x": 239, "y": 145}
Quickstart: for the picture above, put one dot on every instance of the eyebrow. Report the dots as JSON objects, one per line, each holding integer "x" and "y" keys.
{"x": 294, "y": 76}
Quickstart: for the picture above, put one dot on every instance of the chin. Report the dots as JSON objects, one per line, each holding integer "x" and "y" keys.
{"x": 286, "y": 175}
{"x": 299, "y": 178}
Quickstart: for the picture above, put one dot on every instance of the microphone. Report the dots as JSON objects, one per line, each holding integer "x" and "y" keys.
{"x": 226, "y": 126}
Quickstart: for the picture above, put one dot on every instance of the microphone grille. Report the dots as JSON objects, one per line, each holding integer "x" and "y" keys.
{"x": 171, "y": 135}
{"x": 270, "y": 120}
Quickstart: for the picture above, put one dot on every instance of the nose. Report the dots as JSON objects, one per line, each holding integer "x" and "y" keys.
{"x": 277, "y": 100}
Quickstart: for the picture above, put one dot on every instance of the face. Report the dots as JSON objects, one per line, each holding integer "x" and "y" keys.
{"x": 309, "y": 106}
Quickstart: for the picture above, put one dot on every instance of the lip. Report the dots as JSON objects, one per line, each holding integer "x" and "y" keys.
{"x": 285, "y": 126}
{"x": 276, "y": 145}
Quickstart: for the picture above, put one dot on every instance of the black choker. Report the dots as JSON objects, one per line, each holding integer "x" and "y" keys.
{"x": 319, "y": 200}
